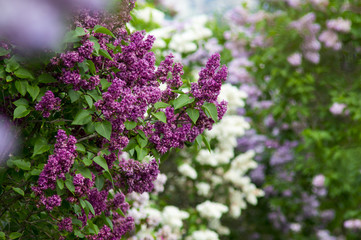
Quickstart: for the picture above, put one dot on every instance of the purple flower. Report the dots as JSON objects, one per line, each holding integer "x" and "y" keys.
{"x": 48, "y": 103}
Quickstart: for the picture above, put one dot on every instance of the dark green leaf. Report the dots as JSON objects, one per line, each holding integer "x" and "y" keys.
{"x": 104, "y": 129}
{"x": 105, "y": 54}
{"x": 23, "y": 73}
{"x": 130, "y": 125}
{"x": 60, "y": 184}
{"x": 80, "y": 148}
{"x": 205, "y": 140}
{"x": 91, "y": 66}
{"x": 94, "y": 94}
{"x": 101, "y": 162}
{"x": 87, "y": 161}
{"x": 132, "y": 143}
{"x": 21, "y": 86}
{"x": 141, "y": 141}
{"x": 158, "y": 105}
{"x": 21, "y": 112}
{"x": 199, "y": 140}
{"x": 21, "y": 102}
{"x": 90, "y": 207}
{"x": 193, "y": 114}
{"x": 82, "y": 117}
{"x": 15, "y": 235}
{"x": 85, "y": 172}
{"x": 22, "y": 164}
{"x": 41, "y": 146}
{"x": 11, "y": 64}
{"x": 74, "y": 95}
{"x": 19, "y": 191}
{"x": 99, "y": 182}
{"x": 33, "y": 91}
{"x": 181, "y": 101}
{"x": 101, "y": 29}
{"x": 142, "y": 134}
{"x": 46, "y": 78}
{"x": 105, "y": 84}
{"x": 89, "y": 100}
{"x": 69, "y": 184}
{"x": 160, "y": 116}
{"x": 35, "y": 172}
{"x": 109, "y": 222}
{"x": 211, "y": 110}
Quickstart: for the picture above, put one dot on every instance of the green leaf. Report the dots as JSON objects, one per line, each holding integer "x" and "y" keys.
{"x": 41, "y": 146}
{"x": 141, "y": 153}
{"x": 99, "y": 182}
{"x": 21, "y": 102}
{"x": 74, "y": 95}
{"x": 4, "y": 51}
{"x": 181, "y": 101}
{"x": 80, "y": 148}
{"x": 132, "y": 143}
{"x": 199, "y": 140}
{"x": 82, "y": 117}
{"x": 193, "y": 114}
{"x": 19, "y": 191}
{"x": 94, "y": 94}
{"x": 211, "y": 110}
{"x": 23, "y": 73}
{"x": 33, "y": 91}
{"x": 96, "y": 45}
{"x": 69, "y": 184}
{"x": 78, "y": 233}
{"x": 141, "y": 141}
{"x": 21, "y": 112}
{"x": 158, "y": 105}
{"x": 90, "y": 207}
{"x": 35, "y": 172}
{"x": 85, "y": 172}
{"x": 205, "y": 140}
{"x": 141, "y": 133}
{"x": 160, "y": 116}
{"x": 178, "y": 91}
{"x": 105, "y": 84}
{"x": 11, "y": 64}
{"x": 87, "y": 161}
{"x": 101, "y": 29}
{"x": 130, "y": 125}
{"x": 82, "y": 203}
{"x": 101, "y": 162}
{"x": 60, "y": 183}
{"x": 21, "y": 86}
{"x": 46, "y": 78}
{"x": 109, "y": 222}
{"x": 15, "y": 235}
{"x": 89, "y": 100}
{"x": 91, "y": 66}
{"x": 104, "y": 129}
{"x": 22, "y": 164}
{"x": 105, "y": 54}
{"x": 79, "y": 31}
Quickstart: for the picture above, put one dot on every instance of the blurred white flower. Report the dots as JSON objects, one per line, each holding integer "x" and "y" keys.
{"x": 186, "y": 170}
{"x": 210, "y": 209}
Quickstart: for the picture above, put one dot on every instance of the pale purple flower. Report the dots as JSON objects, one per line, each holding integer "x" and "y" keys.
{"x": 337, "y": 108}
{"x": 8, "y": 141}
{"x": 295, "y": 59}
{"x": 330, "y": 39}
{"x": 339, "y": 24}
{"x": 318, "y": 181}
{"x": 352, "y": 224}
{"x": 313, "y": 57}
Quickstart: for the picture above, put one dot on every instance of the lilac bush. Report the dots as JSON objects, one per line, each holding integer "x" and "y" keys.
{"x": 80, "y": 110}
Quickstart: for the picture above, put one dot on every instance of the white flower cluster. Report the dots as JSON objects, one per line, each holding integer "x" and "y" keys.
{"x": 203, "y": 235}
{"x": 211, "y": 210}
{"x": 155, "y": 224}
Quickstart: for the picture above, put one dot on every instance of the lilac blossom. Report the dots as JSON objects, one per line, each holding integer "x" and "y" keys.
{"x": 48, "y": 103}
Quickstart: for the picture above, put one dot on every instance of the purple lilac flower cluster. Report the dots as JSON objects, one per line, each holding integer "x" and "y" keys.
{"x": 57, "y": 166}
{"x": 137, "y": 177}
{"x": 48, "y": 103}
